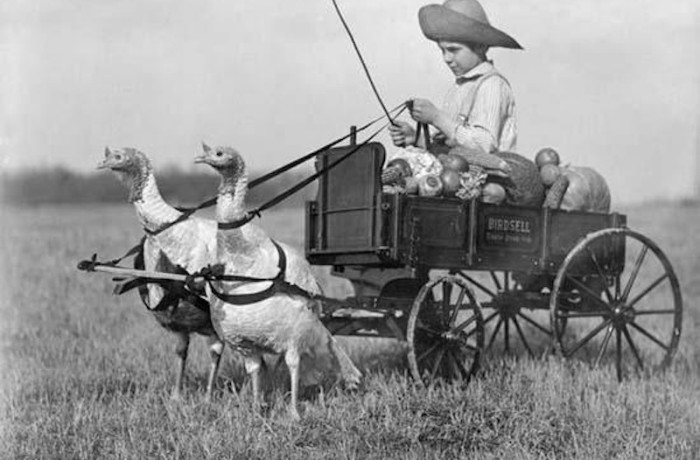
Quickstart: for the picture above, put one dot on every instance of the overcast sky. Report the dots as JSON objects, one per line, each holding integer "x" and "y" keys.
{"x": 611, "y": 84}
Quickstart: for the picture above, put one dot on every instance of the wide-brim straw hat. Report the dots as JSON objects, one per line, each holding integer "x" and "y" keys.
{"x": 462, "y": 21}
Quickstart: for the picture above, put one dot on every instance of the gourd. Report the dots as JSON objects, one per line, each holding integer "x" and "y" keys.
{"x": 556, "y": 192}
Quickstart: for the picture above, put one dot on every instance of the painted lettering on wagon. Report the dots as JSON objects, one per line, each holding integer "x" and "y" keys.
{"x": 509, "y": 231}
{"x": 501, "y": 224}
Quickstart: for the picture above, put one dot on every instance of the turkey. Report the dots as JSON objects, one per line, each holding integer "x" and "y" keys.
{"x": 256, "y": 317}
{"x": 172, "y": 244}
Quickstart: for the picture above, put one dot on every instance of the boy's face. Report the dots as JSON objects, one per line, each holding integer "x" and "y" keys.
{"x": 459, "y": 57}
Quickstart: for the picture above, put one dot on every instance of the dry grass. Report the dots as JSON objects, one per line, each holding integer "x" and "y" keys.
{"x": 87, "y": 375}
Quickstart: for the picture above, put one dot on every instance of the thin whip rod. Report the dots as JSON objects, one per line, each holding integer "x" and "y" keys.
{"x": 362, "y": 61}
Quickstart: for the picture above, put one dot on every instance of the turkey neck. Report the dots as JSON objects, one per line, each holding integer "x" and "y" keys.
{"x": 230, "y": 204}
{"x": 152, "y": 210}
{"x": 230, "y": 207}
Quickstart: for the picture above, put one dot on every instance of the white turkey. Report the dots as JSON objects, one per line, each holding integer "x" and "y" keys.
{"x": 276, "y": 316}
{"x": 171, "y": 245}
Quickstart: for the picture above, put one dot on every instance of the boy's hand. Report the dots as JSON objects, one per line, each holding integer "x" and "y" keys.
{"x": 424, "y": 111}
{"x": 402, "y": 134}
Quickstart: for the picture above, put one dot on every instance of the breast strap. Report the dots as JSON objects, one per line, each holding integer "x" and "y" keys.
{"x": 278, "y": 284}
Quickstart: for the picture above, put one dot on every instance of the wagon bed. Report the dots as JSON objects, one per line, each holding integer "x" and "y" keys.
{"x": 418, "y": 265}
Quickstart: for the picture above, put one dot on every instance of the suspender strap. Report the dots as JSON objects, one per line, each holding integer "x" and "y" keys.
{"x": 471, "y": 99}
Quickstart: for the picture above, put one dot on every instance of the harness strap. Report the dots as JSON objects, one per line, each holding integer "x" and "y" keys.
{"x": 255, "y": 182}
{"x": 183, "y": 217}
{"x": 278, "y": 284}
{"x": 174, "y": 291}
{"x": 291, "y": 191}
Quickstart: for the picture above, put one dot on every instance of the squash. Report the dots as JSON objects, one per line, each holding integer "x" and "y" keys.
{"x": 523, "y": 185}
{"x": 556, "y": 192}
{"x": 587, "y": 190}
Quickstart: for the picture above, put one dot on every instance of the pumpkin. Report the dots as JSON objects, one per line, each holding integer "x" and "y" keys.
{"x": 587, "y": 190}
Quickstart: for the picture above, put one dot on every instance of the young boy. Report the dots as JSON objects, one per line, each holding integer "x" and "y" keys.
{"x": 479, "y": 110}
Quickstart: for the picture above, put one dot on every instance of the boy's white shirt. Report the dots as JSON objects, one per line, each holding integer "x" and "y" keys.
{"x": 484, "y": 110}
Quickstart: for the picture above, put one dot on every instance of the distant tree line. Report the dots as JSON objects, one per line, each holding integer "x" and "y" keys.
{"x": 60, "y": 185}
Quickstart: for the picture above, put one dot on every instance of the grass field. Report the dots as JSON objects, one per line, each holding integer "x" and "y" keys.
{"x": 87, "y": 375}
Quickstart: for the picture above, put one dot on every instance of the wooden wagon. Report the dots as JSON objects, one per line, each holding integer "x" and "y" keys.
{"x": 449, "y": 276}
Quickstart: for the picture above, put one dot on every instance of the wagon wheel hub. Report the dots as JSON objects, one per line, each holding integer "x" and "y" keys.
{"x": 454, "y": 336}
{"x": 622, "y": 315}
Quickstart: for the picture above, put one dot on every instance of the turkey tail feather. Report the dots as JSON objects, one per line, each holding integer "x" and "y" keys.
{"x": 349, "y": 372}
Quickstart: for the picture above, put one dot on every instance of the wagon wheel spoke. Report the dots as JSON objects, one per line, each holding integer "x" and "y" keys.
{"x": 490, "y": 317}
{"x": 635, "y": 352}
{"x": 586, "y": 290}
{"x": 460, "y": 366}
{"x": 655, "y": 312}
{"x": 469, "y": 347}
{"x": 496, "y": 281}
{"x": 436, "y": 364}
{"x": 648, "y": 289}
{"x": 423, "y": 327}
{"x": 464, "y": 357}
{"x": 452, "y": 360}
{"x": 506, "y": 334}
{"x": 483, "y": 288}
{"x": 495, "y": 332}
{"x": 587, "y": 338}
{"x": 463, "y": 325}
{"x": 522, "y": 337}
{"x": 427, "y": 352}
{"x": 534, "y": 323}
{"x": 455, "y": 312}
{"x": 604, "y": 346}
{"x": 506, "y": 281}
{"x": 650, "y": 336}
{"x": 634, "y": 273}
{"x": 617, "y": 286}
{"x": 446, "y": 295}
{"x": 618, "y": 354}
{"x": 467, "y": 335}
{"x": 600, "y": 271}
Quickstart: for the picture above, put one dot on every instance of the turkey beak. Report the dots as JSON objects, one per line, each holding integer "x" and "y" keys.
{"x": 202, "y": 157}
{"x": 103, "y": 164}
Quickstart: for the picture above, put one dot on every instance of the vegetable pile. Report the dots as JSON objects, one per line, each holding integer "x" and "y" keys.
{"x": 500, "y": 177}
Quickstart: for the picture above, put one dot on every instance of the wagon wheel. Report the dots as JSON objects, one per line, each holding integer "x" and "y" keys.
{"x": 445, "y": 332}
{"x": 639, "y": 303}
{"x": 504, "y": 294}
